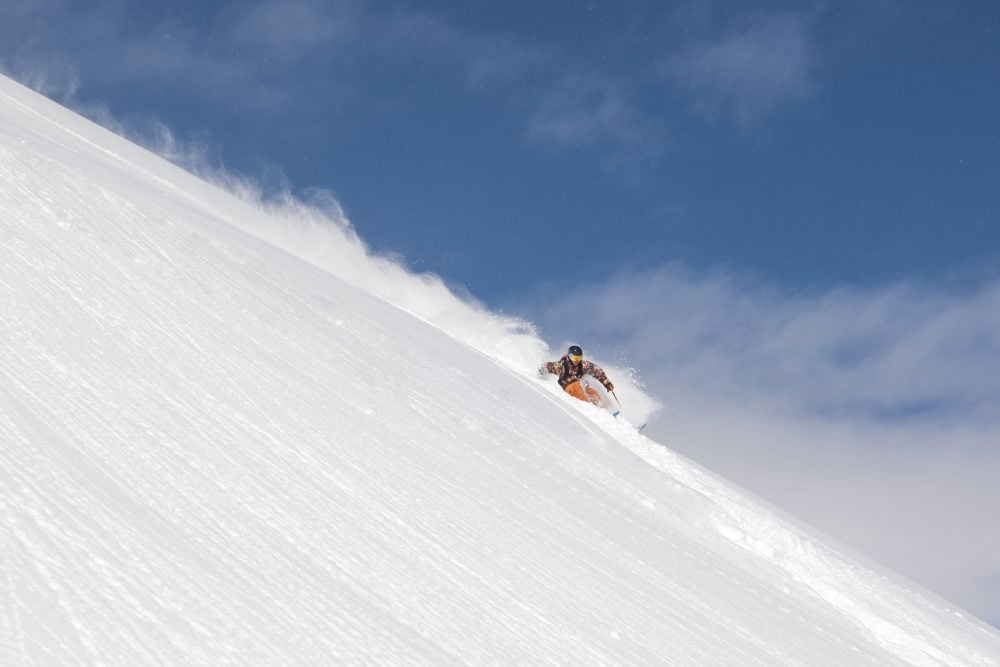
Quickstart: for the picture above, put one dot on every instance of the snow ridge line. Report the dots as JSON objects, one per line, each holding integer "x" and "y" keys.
{"x": 751, "y": 524}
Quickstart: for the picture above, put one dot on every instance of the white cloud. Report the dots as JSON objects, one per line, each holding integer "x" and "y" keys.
{"x": 485, "y": 59}
{"x": 246, "y": 58}
{"x": 566, "y": 104}
{"x": 292, "y": 31}
{"x": 271, "y": 56}
{"x": 892, "y": 352}
{"x": 872, "y": 414}
{"x": 585, "y": 111}
{"x": 750, "y": 71}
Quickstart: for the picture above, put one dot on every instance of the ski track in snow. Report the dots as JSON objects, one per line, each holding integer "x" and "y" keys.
{"x": 216, "y": 453}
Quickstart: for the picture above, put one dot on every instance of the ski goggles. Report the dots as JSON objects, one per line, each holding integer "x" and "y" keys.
{"x": 575, "y": 358}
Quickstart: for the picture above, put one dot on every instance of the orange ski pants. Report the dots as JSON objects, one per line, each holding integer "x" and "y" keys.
{"x": 588, "y": 394}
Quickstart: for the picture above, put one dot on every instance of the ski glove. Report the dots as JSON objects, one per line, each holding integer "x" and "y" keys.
{"x": 609, "y": 387}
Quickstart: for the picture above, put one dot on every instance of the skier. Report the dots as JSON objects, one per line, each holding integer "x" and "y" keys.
{"x": 570, "y": 368}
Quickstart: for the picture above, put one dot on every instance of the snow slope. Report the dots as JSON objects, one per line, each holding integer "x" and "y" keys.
{"x": 215, "y": 452}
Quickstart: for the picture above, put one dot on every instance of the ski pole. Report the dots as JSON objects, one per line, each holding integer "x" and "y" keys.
{"x": 618, "y": 411}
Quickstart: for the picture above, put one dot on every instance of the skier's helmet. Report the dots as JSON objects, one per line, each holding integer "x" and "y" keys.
{"x": 575, "y": 353}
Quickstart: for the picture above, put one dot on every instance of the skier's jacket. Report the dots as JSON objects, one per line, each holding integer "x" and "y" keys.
{"x": 569, "y": 372}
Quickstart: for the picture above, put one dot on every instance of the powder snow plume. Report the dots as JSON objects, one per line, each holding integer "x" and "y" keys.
{"x": 319, "y": 232}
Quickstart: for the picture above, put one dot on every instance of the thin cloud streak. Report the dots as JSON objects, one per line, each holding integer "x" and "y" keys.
{"x": 293, "y": 31}
{"x": 269, "y": 57}
{"x": 904, "y": 351}
{"x": 596, "y": 113}
{"x": 750, "y": 71}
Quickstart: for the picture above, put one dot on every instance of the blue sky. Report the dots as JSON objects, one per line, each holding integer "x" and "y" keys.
{"x": 784, "y": 215}
{"x": 496, "y": 144}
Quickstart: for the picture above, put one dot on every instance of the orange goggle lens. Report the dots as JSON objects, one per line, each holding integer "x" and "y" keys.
{"x": 575, "y": 358}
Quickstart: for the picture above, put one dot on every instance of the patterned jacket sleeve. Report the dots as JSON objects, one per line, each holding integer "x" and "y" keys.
{"x": 590, "y": 368}
{"x": 554, "y": 367}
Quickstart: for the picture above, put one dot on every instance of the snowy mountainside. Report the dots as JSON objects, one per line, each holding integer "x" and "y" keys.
{"x": 215, "y": 452}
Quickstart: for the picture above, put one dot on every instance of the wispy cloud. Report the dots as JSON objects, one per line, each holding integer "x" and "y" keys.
{"x": 272, "y": 56}
{"x": 566, "y": 104}
{"x": 294, "y": 31}
{"x": 751, "y": 70}
{"x": 871, "y": 413}
{"x": 484, "y": 59}
{"x": 99, "y": 45}
{"x": 899, "y": 351}
{"x": 593, "y": 111}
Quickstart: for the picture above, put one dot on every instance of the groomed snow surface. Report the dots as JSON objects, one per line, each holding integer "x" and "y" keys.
{"x": 215, "y": 452}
